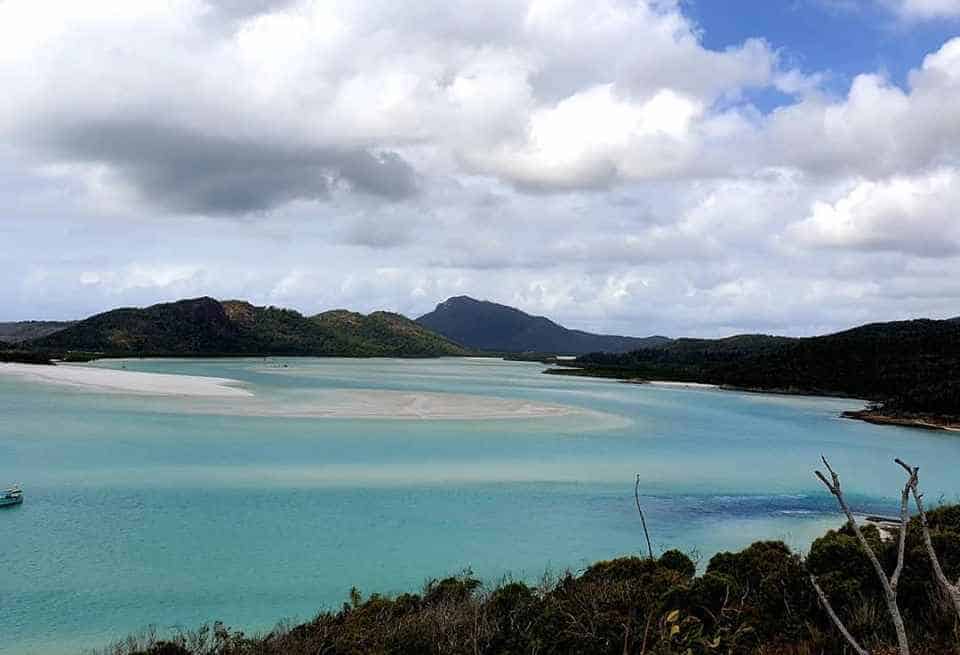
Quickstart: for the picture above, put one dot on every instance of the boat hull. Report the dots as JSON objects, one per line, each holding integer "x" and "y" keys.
{"x": 10, "y": 502}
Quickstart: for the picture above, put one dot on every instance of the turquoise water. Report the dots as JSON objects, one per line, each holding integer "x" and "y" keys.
{"x": 177, "y": 511}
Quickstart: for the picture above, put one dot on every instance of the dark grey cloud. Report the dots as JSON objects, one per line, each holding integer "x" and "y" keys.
{"x": 195, "y": 172}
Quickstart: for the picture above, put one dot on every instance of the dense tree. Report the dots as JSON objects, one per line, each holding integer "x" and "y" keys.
{"x": 204, "y": 326}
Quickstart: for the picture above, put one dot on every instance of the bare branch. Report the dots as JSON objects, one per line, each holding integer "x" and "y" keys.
{"x": 833, "y": 473}
{"x": 952, "y": 590}
{"x": 904, "y": 522}
{"x": 906, "y": 467}
{"x": 646, "y": 633}
{"x": 826, "y": 483}
{"x": 889, "y": 592}
{"x": 643, "y": 521}
{"x": 836, "y": 619}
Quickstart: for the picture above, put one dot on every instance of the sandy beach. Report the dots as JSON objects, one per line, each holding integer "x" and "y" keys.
{"x": 129, "y": 382}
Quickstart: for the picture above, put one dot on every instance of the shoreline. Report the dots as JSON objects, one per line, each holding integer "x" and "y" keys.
{"x": 875, "y": 417}
{"x": 938, "y": 423}
{"x": 617, "y": 375}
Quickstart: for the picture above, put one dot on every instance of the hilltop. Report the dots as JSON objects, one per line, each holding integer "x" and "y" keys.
{"x": 484, "y": 325}
{"x": 388, "y": 333}
{"x": 205, "y": 326}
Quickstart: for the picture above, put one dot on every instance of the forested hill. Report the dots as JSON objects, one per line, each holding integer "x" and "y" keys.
{"x": 484, "y": 325}
{"x": 387, "y": 332}
{"x": 25, "y": 330}
{"x": 912, "y": 365}
{"x": 205, "y": 326}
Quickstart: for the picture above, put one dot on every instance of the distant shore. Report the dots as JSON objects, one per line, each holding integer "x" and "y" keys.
{"x": 926, "y": 422}
{"x": 869, "y": 415}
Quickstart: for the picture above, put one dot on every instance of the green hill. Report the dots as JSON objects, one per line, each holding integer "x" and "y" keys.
{"x": 205, "y": 326}
{"x": 911, "y": 366}
{"x": 25, "y": 330}
{"x": 484, "y": 325}
{"x": 387, "y": 333}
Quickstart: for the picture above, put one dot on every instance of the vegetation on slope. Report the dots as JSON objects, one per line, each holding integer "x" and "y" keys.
{"x": 758, "y": 600}
{"x": 198, "y": 325}
{"x": 387, "y": 334}
{"x": 912, "y": 366}
{"x": 26, "y": 330}
{"x": 484, "y": 325}
{"x": 204, "y": 326}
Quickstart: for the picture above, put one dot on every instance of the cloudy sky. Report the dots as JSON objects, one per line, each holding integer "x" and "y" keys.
{"x": 687, "y": 167}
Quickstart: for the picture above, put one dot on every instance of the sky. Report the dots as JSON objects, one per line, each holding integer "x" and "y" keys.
{"x": 678, "y": 167}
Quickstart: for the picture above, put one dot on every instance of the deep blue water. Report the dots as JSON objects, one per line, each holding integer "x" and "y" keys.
{"x": 175, "y": 512}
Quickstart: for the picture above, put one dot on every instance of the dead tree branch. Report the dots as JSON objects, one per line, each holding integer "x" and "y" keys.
{"x": 643, "y": 521}
{"x": 887, "y": 583}
{"x": 911, "y": 485}
{"x": 860, "y": 650}
{"x": 952, "y": 590}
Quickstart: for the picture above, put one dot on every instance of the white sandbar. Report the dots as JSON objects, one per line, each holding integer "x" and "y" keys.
{"x": 387, "y": 404}
{"x": 682, "y": 385}
{"x": 211, "y": 395}
{"x": 131, "y": 382}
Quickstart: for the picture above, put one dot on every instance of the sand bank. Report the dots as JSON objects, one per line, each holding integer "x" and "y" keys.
{"x": 210, "y": 395}
{"x": 386, "y": 404}
{"x": 682, "y": 385}
{"x": 130, "y": 382}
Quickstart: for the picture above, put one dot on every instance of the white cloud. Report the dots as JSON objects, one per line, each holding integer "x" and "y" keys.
{"x": 596, "y": 138}
{"x": 878, "y": 129}
{"x": 915, "y": 215}
{"x": 925, "y": 9}
{"x": 287, "y": 104}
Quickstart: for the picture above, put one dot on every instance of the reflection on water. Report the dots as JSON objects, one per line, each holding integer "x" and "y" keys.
{"x": 144, "y": 511}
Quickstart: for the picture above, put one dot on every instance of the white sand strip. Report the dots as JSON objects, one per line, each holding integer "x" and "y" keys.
{"x": 386, "y": 404}
{"x": 212, "y": 395}
{"x": 130, "y": 382}
{"x": 683, "y": 385}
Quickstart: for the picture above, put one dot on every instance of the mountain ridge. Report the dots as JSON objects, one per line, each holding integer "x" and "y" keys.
{"x": 206, "y": 326}
{"x": 489, "y": 326}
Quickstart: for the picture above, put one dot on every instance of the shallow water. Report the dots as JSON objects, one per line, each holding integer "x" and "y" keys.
{"x": 179, "y": 511}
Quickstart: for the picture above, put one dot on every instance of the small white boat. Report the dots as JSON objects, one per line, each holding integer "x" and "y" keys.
{"x": 12, "y": 496}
